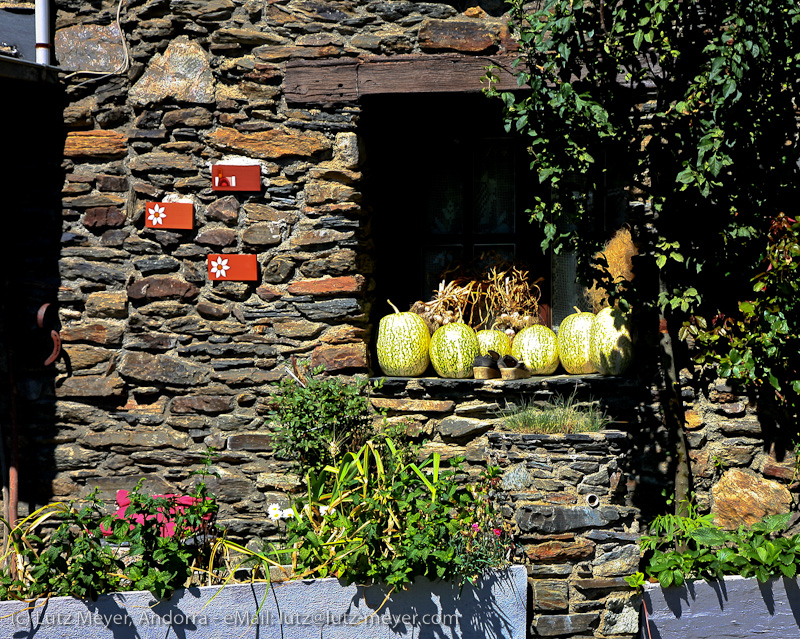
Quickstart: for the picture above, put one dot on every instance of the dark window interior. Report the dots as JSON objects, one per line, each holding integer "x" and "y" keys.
{"x": 447, "y": 190}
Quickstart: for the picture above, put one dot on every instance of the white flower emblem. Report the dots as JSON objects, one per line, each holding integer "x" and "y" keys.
{"x": 219, "y": 267}
{"x": 157, "y": 215}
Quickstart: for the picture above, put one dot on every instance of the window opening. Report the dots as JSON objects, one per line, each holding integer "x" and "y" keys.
{"x": 447, "y": 190}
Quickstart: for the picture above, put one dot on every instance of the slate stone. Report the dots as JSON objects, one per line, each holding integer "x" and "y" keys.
{"x": 99, "y": 145}
{"x": 139, "y": 439}
{"x": 182, "y": 73}
{"x": 216, "y": 237}
{"x": 297, "y": 329}
{"x": 268, "y": 234}
{"x": 549, "y": 594}
{"x": 159, "y": 161}
{"x": 335, "y": 263}
{"x": 103, "y": 217}
{"x": 250, "y": 377}
{"x": 556, "y": 519}
{"x": 111, "y": 304}
{"x": 278, "y": 269}
{"x": 109, "y": 485}
{"x": 554, "y": 625}
{"x": 465, "y": 36}
{"x": 163, "y": 369}
{"x": 204, "y": 404}
{"x": 619, "y": 562}
{"x": 150, "y": 341}
{"x": 228, "y": 350}
{"x": 262, "y": 442}
{"x": 250, "y": 37}
{"x": 225, "y": 209}
{"x": 560, "y": 551}
{"x": 111, "y": 183}
{"x": 742, "y": 497}
{"x": 210, "y": 310}
{"x": 193, "y": 117}
{"x": 156, "y": 264}
{"x": 341, "y": 308}
{"x": 162, "y": 287}
{"x": 346, "y": 285}
{"x": 341, "y": 357}
{"x": 94, "y": 200}
{"x": 98, "y": 333}
{"x": 272, "y": 144}
{"x": 203, "y": 10}
{"x": 91, "y": 386}
{"x": 75, "y": 269}
{"x": 74, "y": 457}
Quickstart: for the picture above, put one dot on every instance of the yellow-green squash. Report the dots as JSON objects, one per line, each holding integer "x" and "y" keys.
{"x": 610, "y": 345}
{"x": 573, "y": 343}
{"x": 537, "y": 346}
{"x": 453, "y": 350}
{"x": 403, "y": 344}
{"x": 493, "y": 340}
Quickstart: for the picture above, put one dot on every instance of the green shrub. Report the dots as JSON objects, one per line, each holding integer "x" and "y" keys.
{"x": 691, "y": 547}
{"x": 317, "y": 419}
{"x": 90, "y": 553}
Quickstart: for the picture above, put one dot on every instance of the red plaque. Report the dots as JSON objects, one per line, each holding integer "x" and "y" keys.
{"x": 233, "y": 177}
{"x": 169, "y": 215}
{"x": 229, "y": 267}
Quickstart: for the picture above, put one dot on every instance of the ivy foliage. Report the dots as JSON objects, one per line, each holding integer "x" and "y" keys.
{"x": 689, "y": 107}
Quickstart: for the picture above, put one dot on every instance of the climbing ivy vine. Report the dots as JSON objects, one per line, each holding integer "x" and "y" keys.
{"x": 690, "y": 109}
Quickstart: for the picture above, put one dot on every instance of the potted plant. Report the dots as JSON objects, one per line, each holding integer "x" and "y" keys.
{"x": 703, "y": 579}
{"x": 379, "y": 541}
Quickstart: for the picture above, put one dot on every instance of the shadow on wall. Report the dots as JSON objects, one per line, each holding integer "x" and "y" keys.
{"x": 31, "y": 150}
{"x": 736, "y": 608}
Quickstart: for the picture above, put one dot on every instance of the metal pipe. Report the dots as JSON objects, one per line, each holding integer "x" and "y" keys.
{"x": 43, "y": 45}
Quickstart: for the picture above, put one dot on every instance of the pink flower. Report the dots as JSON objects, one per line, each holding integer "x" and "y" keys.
{"x": 475, "y": 526}
{"x": 497, "y": 532}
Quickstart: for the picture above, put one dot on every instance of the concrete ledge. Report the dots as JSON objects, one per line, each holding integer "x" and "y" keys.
{"x": 735, "y": 608}
{"x": 321, "y": 608}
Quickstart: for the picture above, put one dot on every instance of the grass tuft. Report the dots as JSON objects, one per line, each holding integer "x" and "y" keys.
{"x": 559, "y": 416}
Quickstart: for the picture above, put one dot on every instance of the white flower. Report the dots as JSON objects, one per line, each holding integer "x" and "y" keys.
{"x": 219, "y": 267}
{"x": 288, "y": 513}
{"x": 274, "y": 511}
{"x": 323, "y": 510}
{"x": 157, "y": 215}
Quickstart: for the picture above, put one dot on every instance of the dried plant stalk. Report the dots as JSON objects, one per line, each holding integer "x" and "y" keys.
{"x": 449, "y": 304}
{"x": 504, "y": 299}
{"x": 512, "y": 301}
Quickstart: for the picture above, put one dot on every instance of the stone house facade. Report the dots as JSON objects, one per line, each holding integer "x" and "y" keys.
{"x": 335, "y": 102}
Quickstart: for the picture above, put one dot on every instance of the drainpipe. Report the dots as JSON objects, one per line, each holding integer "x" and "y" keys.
{"x": 43, "y": 45}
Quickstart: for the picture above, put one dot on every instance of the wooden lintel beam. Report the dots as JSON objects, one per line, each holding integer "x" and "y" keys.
{"x": 346, "y": 80}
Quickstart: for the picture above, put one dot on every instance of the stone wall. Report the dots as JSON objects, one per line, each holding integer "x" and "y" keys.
{"x": 744, "y": 460}
{"x": 159, "y": 361}
{"x": 568, "y": 498}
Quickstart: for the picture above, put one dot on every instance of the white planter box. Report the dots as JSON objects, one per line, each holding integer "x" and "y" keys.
{"x": 318, "y": 609}
{"x": 735, "y": 608}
